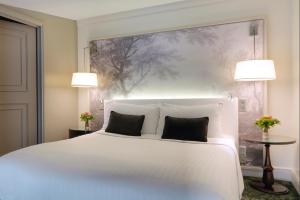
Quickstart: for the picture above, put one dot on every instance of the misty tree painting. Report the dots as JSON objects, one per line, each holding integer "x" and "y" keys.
{"x": 124, "y": 63}
{"x": 187, "y": 63}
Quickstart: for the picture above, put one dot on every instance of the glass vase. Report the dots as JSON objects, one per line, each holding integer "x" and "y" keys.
{"x": 87, "y": 126}
{"x": 265, "y": 133}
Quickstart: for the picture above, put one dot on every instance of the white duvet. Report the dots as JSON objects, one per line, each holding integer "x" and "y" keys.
{"x": 110, "y": 167}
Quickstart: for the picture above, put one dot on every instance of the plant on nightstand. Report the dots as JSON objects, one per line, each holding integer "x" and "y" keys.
{"x": 265, "y": 123}
{"x": 86, "y": 117}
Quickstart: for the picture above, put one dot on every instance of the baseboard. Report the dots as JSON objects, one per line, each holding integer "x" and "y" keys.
{"x": 285, "y": 174}
{"x": 295, "y": 180}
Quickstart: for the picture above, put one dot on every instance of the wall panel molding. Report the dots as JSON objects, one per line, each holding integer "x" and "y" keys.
{"x": 21, "y": 82}
{"x": 22, "y": 110}
{"x": 148, "y": 11}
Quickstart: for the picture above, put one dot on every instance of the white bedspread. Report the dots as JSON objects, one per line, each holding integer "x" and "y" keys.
{"x": 110, "y": 167}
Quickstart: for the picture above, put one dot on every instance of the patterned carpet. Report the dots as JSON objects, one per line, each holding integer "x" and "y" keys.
{"x": 252, "y": 194}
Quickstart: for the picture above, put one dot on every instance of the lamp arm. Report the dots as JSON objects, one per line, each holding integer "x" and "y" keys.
{"x": 84, "y": 59}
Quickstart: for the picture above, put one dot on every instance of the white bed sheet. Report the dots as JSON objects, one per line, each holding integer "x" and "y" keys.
{"x": 114, "y": 167}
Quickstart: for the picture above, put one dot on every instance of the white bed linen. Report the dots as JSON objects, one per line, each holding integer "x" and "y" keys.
{"x": 114, "y": 167}
{"x": 212, "y": 111}
{"x": 151, "y": 113}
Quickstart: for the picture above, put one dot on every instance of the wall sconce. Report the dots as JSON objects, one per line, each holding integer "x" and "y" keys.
{"x": 255, "y": 70}
{"x": 84, "y": 79}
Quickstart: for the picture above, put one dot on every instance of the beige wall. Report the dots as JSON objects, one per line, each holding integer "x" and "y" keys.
{"x": 282, "y": 17}
{"x": 295, "y": 72}
{"x": 60, "y": 61}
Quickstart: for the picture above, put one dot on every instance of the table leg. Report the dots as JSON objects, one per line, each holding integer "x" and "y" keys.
{"x": 267, "y": 184}
{"x": 268, "y": 177}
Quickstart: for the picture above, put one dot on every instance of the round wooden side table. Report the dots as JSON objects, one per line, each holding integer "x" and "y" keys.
{"x": 268, "y": 184}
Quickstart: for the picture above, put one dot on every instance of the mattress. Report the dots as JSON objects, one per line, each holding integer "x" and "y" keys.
{"x": 115, "y": 167}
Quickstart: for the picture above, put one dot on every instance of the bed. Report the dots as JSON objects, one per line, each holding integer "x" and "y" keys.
{"x": 110, "y": 166}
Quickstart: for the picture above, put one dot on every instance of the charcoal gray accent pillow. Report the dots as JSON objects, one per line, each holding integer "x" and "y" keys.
{"x": 125, "y": 124}
{"x": 191, "y": 129}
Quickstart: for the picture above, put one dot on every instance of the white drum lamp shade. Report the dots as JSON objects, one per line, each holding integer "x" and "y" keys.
{"x": 255, "y": 70}
{"x": 84, "y": 80}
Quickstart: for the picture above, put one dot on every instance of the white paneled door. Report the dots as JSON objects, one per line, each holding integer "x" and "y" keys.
{"x": 18, "y": 99}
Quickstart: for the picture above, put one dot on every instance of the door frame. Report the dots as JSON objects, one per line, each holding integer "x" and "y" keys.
{"x": 38, "y": 25}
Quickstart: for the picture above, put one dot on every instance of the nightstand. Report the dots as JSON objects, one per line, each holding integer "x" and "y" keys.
{"x": 77, "y": 132}
{"x": 267, "y": 184}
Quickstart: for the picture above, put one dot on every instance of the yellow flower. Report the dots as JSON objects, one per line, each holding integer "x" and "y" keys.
{"x": 267, "y": 116}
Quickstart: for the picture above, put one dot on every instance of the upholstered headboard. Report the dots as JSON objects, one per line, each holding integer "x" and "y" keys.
{"x": 229, "y": 111}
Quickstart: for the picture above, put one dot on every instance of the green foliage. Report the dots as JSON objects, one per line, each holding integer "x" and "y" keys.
{"x": 266, "y": 122}
{"x": 86, "y": 116}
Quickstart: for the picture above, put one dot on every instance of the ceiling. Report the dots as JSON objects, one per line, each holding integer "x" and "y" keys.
{"x": 80, "y": 9}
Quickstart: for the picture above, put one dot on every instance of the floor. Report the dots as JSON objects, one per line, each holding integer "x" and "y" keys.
{"x": 252, "y": 194}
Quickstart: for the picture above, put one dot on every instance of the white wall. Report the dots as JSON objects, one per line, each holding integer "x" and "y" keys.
{"x": 60, "y": 61}
{"x": 282, "y": 18}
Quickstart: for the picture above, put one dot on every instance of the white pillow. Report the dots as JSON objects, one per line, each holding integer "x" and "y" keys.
{"x": 151, "y": 113}
{"x": 212, "y": 111}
